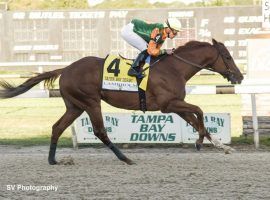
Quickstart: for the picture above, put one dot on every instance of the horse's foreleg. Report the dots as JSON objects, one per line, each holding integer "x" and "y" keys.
{"x": 58, "y": 128}
{"x": 218, "y": 144}
{"x": 193, "y": 121}
{"x": 178, "y": 106}
{"x": 192, "y": 113}
{"x": 100, "y": 132}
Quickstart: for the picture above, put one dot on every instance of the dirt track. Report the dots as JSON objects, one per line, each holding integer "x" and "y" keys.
{"x": 173, "y": 173}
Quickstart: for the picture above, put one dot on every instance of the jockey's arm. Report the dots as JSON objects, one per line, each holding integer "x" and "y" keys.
{"x": 154, "y": 44}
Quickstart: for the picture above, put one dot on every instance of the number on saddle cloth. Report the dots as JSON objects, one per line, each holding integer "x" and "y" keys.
{"x": 114, "y": 67}
{"x": 115, "y": 75}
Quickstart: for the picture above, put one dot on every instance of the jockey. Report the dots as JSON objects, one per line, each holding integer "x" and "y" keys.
{"x": 148, "y": 39}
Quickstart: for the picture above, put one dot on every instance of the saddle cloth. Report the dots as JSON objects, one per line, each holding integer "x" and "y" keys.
{"x": 115, "y": 75}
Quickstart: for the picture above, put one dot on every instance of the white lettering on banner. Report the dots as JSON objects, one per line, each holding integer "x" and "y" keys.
{"x": 56, "y": 57}
{"x": 204, "y": 22}
{"x": 86, "y": 15}
{"x": 36, "y": 47}
{"x": 118, "y": 14}
{"x": 45, "y": 47}
{"x": 229, "y": 31}
{"x": 217, "y": 124}
{"x": 18, "y": 15}
{"x": 266, "y": 14}
{"x": 204, "y": 33}
{"x": 22, "y": 47}
{"x": 46, "y": 15}
{"x": 147, "y": 128}
{"x": 182, "y": 14}
{"x": 248, "y": 31}
{"x": 229, "y": 19}
{"x": 242, "y": 54}
{"x": 249, "y": 19}
{"x": 229, "y": 43}
{"x": 242, "y": 43}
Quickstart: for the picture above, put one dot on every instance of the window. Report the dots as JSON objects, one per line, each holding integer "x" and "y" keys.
{"x": 71, "y": 56}
{"x": 42, "y": 57}
{"x": 21, "y": 57}
{"x": 80, "y": 35}
{"x": 31, "y": 30}
{"x": 118, "y": 44}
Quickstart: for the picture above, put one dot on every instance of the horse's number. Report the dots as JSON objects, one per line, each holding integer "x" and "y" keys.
{"x": 114, "y": 67}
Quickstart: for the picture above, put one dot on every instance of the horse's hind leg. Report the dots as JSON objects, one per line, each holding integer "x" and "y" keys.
{"x": 99, "y": 130}
{"x": 58, "y": 128}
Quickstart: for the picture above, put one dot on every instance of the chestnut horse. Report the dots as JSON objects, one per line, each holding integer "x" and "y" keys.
{"x": 81, "y": 89}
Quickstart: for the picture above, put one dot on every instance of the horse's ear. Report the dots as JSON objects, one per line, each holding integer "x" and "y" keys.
{"x": 214, "y": 41}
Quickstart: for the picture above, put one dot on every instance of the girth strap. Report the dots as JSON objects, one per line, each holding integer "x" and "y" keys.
{"x": 142, "y": 96}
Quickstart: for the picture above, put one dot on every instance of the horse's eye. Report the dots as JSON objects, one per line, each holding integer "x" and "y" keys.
{"x": 228, "y": 57}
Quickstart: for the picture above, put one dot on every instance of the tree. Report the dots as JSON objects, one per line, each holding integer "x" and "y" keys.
{"x": 116, "y": 4}
{"x": 46, "y": 4}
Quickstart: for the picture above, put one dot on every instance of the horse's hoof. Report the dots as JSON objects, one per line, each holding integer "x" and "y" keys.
{"x": 198, "y": 146}
{"x": 229, "y": 150}
{"x": 129, "y": 162}
{"x": 52, "y": 162}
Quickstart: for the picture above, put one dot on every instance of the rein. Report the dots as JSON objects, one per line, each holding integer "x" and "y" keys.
{"x": 186, "y": 61}
{"x": 195, "y": 64}
{"x": 162, "y": 57}
{"x": 205, "y": 66}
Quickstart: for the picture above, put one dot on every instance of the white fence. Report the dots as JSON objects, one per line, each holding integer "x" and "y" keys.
{"x": 198, "y": 89}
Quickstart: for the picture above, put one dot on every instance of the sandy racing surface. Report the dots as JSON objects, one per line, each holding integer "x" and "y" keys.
{"x": 168, "y": 173}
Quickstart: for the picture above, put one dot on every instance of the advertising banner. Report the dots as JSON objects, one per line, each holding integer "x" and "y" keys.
{"x": 218, "y": 125}
{"x": 132, "y": 128}
{"x": 151, "y": 128}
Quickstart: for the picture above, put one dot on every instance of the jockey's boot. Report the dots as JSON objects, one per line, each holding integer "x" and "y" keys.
{"x": 135, "y": 69}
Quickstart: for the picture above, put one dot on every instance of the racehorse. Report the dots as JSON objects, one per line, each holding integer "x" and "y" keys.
{"x": 81, "y": 89}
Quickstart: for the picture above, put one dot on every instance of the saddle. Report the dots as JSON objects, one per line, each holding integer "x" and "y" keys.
{"x": 115, "y": 77}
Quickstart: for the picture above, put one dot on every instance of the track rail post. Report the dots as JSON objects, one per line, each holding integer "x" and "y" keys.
{"x": 255, "y": 121}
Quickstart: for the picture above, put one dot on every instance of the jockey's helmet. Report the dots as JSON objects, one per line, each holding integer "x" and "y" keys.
{"x": 173, "y": 23}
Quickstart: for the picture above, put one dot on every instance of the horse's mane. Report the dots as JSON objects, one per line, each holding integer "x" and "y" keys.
{"x": 192, "y": 44}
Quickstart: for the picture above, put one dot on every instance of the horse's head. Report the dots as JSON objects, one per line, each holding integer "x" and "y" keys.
{"x": 225, "y": 65}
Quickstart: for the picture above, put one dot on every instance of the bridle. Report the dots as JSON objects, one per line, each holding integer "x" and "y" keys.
{"x": 228, "y": 74}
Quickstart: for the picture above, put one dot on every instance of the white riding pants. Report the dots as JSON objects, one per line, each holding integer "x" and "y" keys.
{"x": 132, "y": 38}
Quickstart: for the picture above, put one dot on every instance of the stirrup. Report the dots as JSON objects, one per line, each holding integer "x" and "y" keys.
{"x": 134, "y": 73}
{"x": 140, "y": 75}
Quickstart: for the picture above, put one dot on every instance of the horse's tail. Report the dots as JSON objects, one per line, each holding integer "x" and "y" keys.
{"x": 9, "y": 90}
